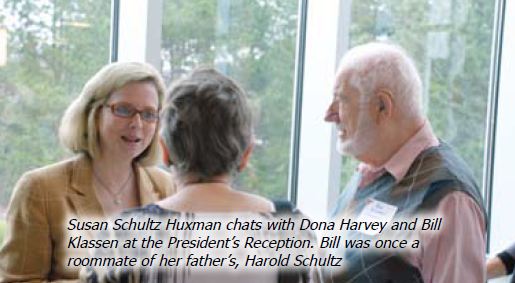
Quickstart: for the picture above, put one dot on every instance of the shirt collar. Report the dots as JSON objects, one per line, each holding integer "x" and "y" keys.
{"x": 399, "y": 164}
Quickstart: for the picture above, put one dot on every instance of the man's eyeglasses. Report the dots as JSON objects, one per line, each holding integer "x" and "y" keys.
{"x": 126, "y": 110}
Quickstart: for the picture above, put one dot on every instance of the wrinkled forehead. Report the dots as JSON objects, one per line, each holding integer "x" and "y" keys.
{"x": 343, "y": 87}
{"x": 356, "y": 64}
{"x": 339, "y": 82}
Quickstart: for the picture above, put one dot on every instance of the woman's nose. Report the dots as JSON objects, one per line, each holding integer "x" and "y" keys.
{"x": 136, "y": 120}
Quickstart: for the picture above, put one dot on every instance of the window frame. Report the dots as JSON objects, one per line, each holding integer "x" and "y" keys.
{"x": 314, "y": 173}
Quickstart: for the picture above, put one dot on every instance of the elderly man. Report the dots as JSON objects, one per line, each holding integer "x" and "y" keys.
{"x": 378, "y": 112}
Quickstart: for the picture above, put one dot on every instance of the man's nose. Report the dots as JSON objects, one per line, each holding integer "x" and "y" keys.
{"x": 331, "y": 115}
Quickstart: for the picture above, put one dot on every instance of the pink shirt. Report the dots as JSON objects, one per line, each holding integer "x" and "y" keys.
{"x": 457, "y": 252}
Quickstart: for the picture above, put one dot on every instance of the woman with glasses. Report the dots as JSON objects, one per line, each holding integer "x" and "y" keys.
{"x": 112, "y": 127}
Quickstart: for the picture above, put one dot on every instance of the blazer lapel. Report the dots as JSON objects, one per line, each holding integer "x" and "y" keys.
{"x": 83, "y": 198}
{"x": 147, "y": 191}
{"x": 82, "y": 193}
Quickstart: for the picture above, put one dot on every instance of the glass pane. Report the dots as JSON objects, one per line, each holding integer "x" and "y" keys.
{"x": 501, "y": 232}
{"x": 450, "y": 41}
{"x": 253, "y": 41}
{"x": 51, "y": 48}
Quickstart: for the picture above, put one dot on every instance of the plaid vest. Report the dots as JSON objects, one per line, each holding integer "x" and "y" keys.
{"x": 436, "y": 172}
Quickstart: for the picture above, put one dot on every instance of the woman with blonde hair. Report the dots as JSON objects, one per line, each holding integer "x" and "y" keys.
{"x": 112, "y": 127}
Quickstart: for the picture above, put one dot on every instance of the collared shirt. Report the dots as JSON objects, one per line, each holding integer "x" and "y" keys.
{"x": 399, "y": 164}
{"x": 457, "y": 252}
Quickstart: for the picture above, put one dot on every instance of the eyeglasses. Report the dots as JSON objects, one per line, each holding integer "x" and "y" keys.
{"x": 126, "y": 110}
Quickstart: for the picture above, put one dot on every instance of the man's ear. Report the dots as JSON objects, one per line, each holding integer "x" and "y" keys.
{"x": 385, "y": 106}
{"x": 166, "y": 155}
{"x": 246, "y": 157}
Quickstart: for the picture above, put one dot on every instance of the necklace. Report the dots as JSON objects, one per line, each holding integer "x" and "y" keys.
{"x": 115, "y": 195}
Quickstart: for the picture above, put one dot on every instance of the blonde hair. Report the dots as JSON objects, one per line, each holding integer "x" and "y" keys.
{"x": 79, "y": 131}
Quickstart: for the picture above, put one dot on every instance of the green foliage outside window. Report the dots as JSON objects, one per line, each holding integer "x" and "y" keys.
{"x": 53, "y": 48}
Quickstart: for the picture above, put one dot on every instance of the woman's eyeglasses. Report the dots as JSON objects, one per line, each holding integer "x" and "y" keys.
{"x": 126, "y": 110}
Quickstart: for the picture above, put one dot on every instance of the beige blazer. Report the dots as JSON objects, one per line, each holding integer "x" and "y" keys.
{"x": 43, "y": 202}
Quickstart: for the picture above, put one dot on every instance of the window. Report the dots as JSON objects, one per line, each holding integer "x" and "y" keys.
{"x": 51, "y": 49}
{"x": 501, "y": 229}
{"x": 255, "y": 43}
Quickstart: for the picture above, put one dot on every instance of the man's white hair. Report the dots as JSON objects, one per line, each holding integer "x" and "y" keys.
{"x": 376, "y": 66}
